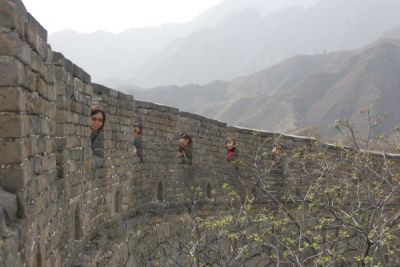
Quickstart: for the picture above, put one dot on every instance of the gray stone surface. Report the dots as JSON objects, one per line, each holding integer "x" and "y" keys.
{"x": 8, "y": 202}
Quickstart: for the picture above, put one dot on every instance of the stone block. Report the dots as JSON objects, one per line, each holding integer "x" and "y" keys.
{"x": 60, "y": 143}
{"x": 86, "y": 77}
{"x": 25, "y": 54}
{"x": 77, "y": 72}
{"x": 12, "y": 72}
{"x": 48, "y": 163}
{"x": 12, "y": 99}
{"x": 8, "y": 202}
{"x": 49, "y": 73}
{"x": 10, "y": 43}
{"x": 45, "y": 145}
{"x": 60, "y": 74}
{"x": 37, "y": 63}
{"x": 69, "y": 66}
{"x": 112, "y": 93}
{"x": 78, "y": 85}
{"x": 13, "y": 16}
{"x": 39, "y": 30}
{"x": 40, "y": 86}
{"x": 58, "y": 59}
{"x": 13, "y": 126}
{"x": 63, "y": 103}
{"x": 42, "y": 47}
{"x": 12, "y": 152}
{"x": 88, "y": 90}
{"x": 14, "y": 178}
{"x": 49, "y": 56}
{"x": 34, "y": 124}
{"x": 31, "y": 145}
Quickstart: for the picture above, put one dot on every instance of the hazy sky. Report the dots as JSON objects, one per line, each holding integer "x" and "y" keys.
{"x": 114, "y": 16}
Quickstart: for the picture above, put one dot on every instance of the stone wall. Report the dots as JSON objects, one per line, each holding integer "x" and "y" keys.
{"x": 62, "y": 204}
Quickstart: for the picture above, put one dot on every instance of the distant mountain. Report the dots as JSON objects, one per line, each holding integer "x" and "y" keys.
{"x": 115, "y": 56}
{"x": 234, "y": 38}
{"x": 117, "y": 59}
{"x": 246, "y": 41}
{"x": 299, "y": 94}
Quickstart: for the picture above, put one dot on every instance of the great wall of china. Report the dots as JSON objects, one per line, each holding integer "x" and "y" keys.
{"x": 62, "y": 204}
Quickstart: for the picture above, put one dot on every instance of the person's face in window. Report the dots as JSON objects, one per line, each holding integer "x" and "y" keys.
{"x": 277, "y": 149}
{"x": 136, "y": 132}
{"x": 230, "y": 144}
{"x": 183, "y": 142}
{"x": 96, "y": 121}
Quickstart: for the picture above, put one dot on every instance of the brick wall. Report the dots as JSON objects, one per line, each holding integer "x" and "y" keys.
{"x": 62, "y": 204}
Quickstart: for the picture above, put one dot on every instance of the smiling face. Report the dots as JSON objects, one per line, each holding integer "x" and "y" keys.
{"x": 230, "y": 144}
{"x": 96, "y": 121}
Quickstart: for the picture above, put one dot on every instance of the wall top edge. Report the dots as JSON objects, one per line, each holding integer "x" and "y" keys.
{"x": 41, "y": 31}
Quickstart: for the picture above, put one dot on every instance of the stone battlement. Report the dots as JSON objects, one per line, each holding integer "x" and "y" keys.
{"x": 62, "y": 204}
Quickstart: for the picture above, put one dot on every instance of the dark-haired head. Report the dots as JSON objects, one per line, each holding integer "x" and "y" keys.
{"x": 186, "y": 137}
{"x": 97, "y": 119}
{"x": 230, "y": 143}
{"x": 231, "y": 139}
{"x": 278, "y": 145}
{"x": 137, "y": 129}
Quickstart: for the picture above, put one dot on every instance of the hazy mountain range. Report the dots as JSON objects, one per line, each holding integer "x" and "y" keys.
{"x": 117, "y": 58}
{"x": 301, "y": 93}
{"x": 236, "y": 37}
{"x": 283, "y": 66}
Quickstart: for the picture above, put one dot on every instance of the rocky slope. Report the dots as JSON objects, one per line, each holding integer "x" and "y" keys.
{"x": 304, "y": 92}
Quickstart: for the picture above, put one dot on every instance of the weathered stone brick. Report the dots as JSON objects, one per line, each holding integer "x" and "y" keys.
{"x": 37, "y": 63}
{"x": 60, "y": 143}
{"x": 86, "y": 77}
{"x": 26, "y": 54}
{"x": 77, "y": 72}
{"x": 41, "y": 47}
{"x": 78, "y": 85}
{"x": 34, "y": 124}
{"x": 45, "y": 145}
{"x": 41, "y": 32}
{"x": 69, "y": 66}
{"x": 60, "y": 74}
{"x": 48, "y": 163}
{"x": 49, "y": 73}
{"x": 8, "y": 202}
{"x": 41, "y": 87}
{"x": 12, "y": 72}
{"x": 10, "y": 43}
{"x": 14, "y": 178}
{"x": 13, "y": 16}
{"x": 13, "y": 126}
{"x": 12, "y": 99}
{"x": 49, "y": 57}
{"x": 12, "y": 152}
{"x": 58, "y": 59}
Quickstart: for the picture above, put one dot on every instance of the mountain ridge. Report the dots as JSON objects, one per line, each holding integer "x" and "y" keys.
{"x": 235, "y": 43}
{"x": 303, "y": 91}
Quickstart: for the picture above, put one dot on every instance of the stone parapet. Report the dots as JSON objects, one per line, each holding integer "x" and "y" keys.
{"x": 64, "y": 204}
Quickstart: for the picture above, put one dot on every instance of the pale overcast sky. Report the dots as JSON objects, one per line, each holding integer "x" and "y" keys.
{"x": 114, "y": 16}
